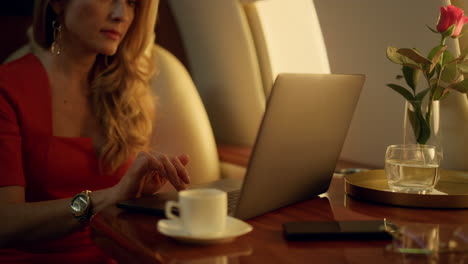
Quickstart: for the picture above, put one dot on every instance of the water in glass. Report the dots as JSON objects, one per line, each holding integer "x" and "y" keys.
{"x": 412, "y": 168}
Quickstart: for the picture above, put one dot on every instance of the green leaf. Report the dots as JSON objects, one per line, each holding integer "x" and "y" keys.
{"x": 397, "y": 58}
{"x": 411, "y": 77}
{"x": 393, "y": 55}
{"x": 414, "y": 55}
{"x": 433, "y": 83}
{"x": 401, "y": 90}
{"x": 414, "y": 121}
{"x": 424, "y": 126}
{"x": 462, "y": 86}
{"x": 420, "y": 96}
{"x": 449, "y": 72}
{"x": 448, "y": 58}
{"x": 436, "y": 69}
{"x": 462, "y": 67}
{"x": 438, "y": 91}
{"x": 431, "y": 29}
{"x": 425, "y": 133}
{"x": 435, "y": 54}
{"x": 449, "y": 31}
{"x": 436, "y": 50}
{"x": 444, "y": 95}
{"x": 421, "y": 128}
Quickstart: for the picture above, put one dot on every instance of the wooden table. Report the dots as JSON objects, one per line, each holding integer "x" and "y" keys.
{"x": 133, "y": 238}
{"x": 240, "y": 156}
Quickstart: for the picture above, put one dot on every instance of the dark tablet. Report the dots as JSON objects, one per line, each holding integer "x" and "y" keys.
{"x": 151, "y": 205}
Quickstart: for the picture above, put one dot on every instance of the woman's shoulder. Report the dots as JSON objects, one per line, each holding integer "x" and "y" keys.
{"x": 22, "y": 75}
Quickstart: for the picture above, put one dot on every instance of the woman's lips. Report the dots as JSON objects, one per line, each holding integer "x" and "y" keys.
{"x": 111, "y": 34}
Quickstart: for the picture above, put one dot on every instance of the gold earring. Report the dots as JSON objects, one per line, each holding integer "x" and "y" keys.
{"x": 56, "y": 47}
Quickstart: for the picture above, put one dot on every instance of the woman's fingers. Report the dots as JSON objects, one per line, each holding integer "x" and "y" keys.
{"x": 171, "y": 173}
{"x": 184, "y": 159}
{"x": 164, "y": 167}
{"x": 152, "y": 182}
{"x": 154, "y": 163}
{"x": 181, "y": 170}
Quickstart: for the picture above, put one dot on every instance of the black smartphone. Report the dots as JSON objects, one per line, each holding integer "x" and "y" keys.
{"x": 318, "y": 230}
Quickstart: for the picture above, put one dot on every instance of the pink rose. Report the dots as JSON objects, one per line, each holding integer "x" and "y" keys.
{"x": 449, "y": 16}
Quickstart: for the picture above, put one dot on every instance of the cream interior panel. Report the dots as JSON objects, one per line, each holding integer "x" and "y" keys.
{"x": 224, "y": 66}
{"x": 288, "y": 38}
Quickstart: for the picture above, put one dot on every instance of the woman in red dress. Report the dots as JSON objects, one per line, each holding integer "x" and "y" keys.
{"x": 75, "y": 121}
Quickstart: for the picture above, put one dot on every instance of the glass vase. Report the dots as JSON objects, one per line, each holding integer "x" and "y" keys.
{"x": 422, "y": 124}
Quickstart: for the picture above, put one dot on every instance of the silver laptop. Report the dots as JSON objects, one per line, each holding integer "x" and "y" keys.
{"x": 297, "y": 146}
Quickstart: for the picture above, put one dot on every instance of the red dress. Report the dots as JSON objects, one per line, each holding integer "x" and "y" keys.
{"x": 48, "y": 167}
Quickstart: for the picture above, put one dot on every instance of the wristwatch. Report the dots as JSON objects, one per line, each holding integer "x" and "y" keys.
{"x": 81, "y": 206}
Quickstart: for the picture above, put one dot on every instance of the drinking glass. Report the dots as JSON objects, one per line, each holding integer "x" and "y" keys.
{"x": 412, "y": 168}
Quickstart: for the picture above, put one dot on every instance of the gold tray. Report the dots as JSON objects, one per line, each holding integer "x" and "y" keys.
{"x": 372, "y": 186}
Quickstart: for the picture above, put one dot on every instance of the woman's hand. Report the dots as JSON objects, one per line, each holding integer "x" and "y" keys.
{"x": 149, "y": 172}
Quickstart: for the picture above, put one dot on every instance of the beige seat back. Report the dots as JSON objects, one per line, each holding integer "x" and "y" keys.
{"x": 182, "y": 125}
{"x": 224, "y": 66}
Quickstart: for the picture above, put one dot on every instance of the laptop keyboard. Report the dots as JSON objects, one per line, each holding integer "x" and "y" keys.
{"x": 233, "y": 199}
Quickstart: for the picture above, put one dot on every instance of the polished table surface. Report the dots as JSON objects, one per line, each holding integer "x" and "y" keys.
{"x": 133, "y": 238}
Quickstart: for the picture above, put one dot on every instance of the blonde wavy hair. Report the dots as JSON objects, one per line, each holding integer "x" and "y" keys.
{"x": 119, "y": 85}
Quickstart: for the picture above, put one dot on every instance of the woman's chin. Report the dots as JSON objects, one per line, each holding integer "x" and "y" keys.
{"x": 108, "y": 51}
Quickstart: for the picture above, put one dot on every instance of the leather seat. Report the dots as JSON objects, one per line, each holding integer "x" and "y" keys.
{"x": 182, "y": 125}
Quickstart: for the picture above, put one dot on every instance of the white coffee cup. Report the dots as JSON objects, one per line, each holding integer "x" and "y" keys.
{"x": 202, "y": 212}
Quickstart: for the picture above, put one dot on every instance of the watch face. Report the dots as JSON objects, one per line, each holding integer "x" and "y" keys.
{"x": 80, "y": 203}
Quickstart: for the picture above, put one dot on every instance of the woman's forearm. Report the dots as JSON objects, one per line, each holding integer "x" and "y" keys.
{"x": 25, "y": 223}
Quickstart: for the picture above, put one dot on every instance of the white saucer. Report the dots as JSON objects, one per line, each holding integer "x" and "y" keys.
{"x": 174, "y": 229}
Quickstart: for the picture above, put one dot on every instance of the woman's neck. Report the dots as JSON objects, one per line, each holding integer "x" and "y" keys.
{"x": 70, "y": 66}
{"x": 74, "y": 66}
